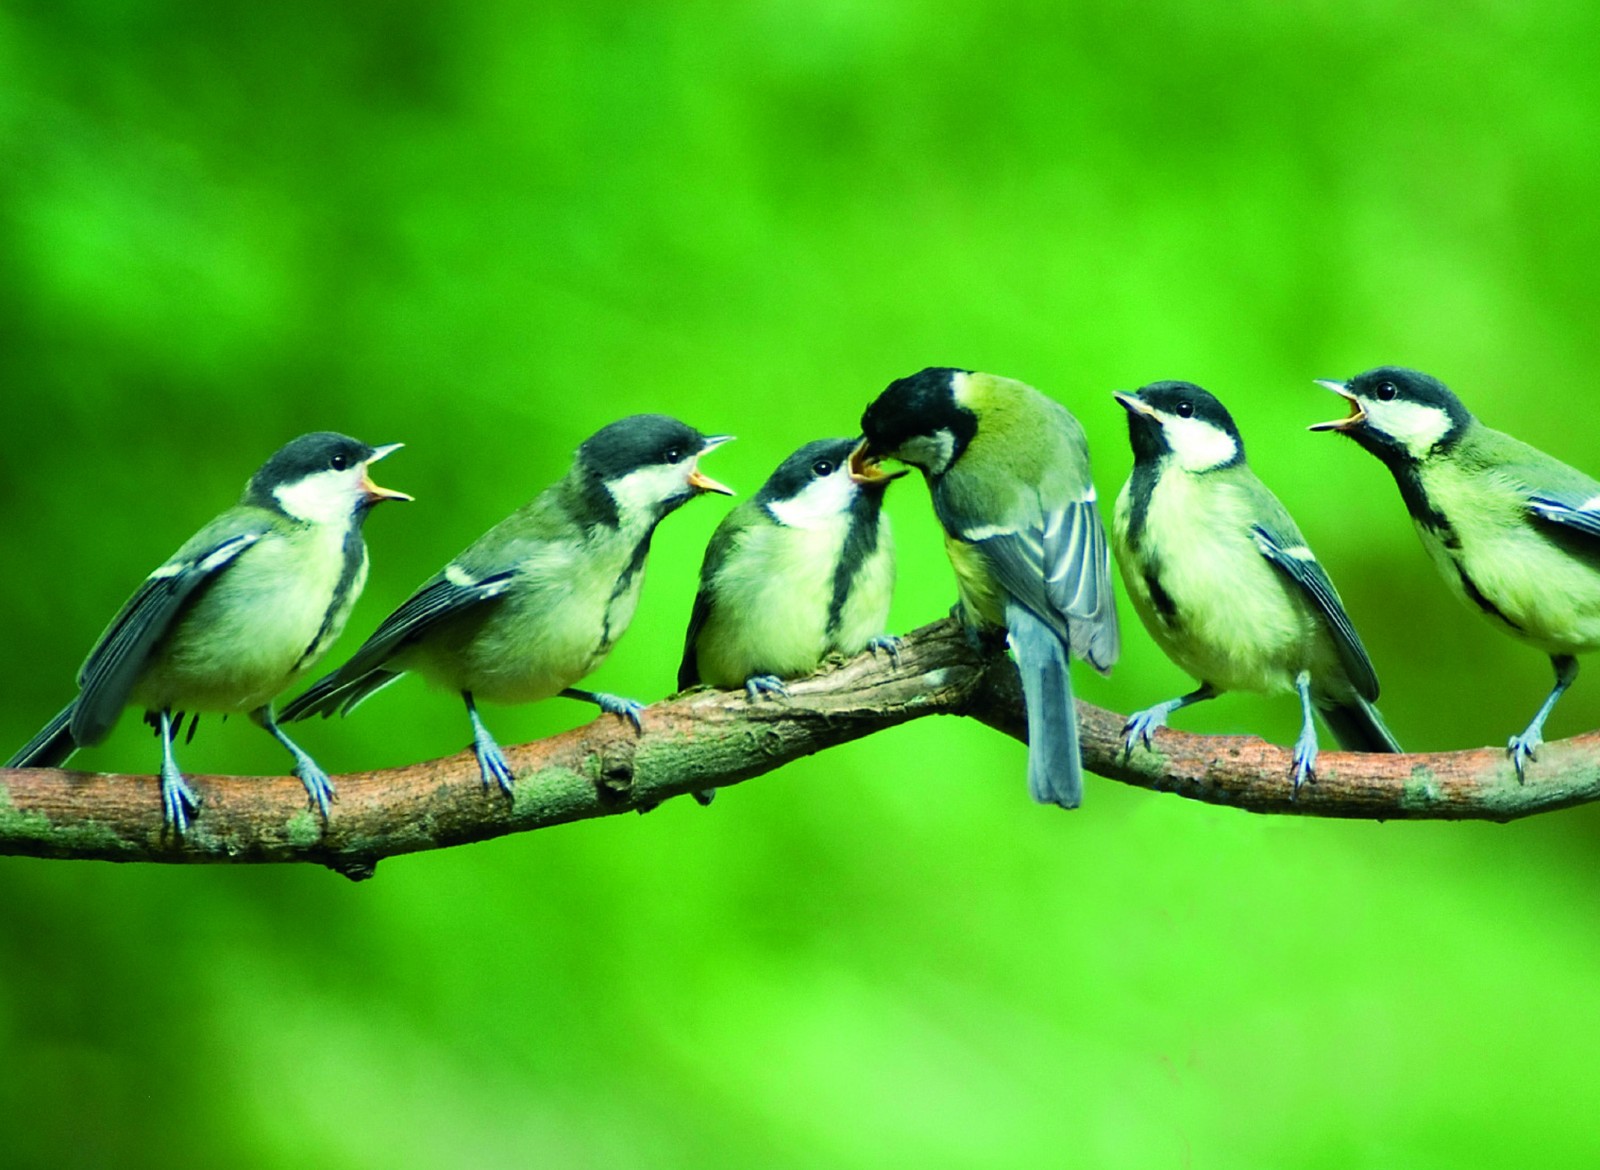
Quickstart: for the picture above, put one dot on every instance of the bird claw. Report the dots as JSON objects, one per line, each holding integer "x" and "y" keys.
{"x": 630, "y": 709}
{"x": 758, "y": 686}
{"x": 1521, "y": 749}
{"x": 887, "y": 644}
{"x": 177, "y": 800}
{"x": 320, "y": 792}
{"x": 1305, "y": 766}
{"x": 1141, "y": 725}
{"x": 492, "y": 766}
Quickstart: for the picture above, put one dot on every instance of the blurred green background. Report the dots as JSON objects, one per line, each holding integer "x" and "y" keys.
{"x": 488, "y": 229}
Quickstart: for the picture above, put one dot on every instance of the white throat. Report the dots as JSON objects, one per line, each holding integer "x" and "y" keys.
{"x": 1417, "y": 426}
{"x": 1197, "y": 445}
{"x": 821, "y": 503}
{"x": 324, "y": 497}
{"x": 640, "y": 493}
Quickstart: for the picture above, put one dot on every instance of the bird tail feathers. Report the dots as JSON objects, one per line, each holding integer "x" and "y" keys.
{"x": 52, "y": 746}
{"x": 1055, "y": 771}
{"x": 328, "y": 695}
{"x": 1358, "y": 727}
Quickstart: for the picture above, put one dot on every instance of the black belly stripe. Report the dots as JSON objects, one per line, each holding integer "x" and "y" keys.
{"x": 1159, "y": 597}
{"x": 354, "y": 554}
{"x": 1478, "y": 599}
{"x": 860, "y": 542}
{"x": 634, "y": 567}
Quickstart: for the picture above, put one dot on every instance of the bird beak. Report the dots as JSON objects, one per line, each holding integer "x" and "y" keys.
{"x": 866, "y": 470}
{"x": 1133, "y": 404}
{"x": 374, "y": 492}
{"x": 699, "y": 480}
{"x": 1355, "y": 418}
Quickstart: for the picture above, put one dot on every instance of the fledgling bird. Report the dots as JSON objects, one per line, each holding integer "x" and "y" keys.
{"x": 1514, "y": 532}
{"x": 537, "y": 602}
{"x": 247, "y": 605}
{"x": 1008, "y": 470}
{"x": 801, "y": 570}
{"x": 1224, "y": 582}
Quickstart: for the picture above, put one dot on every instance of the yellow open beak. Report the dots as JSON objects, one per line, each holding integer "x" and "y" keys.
{"x": 376, "y": 494}
{"x": 1355, "y": 418}
{"x": 866, "y": 470}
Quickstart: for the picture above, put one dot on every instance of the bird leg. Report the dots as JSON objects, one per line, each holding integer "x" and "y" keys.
{"x": 177, "y": 798}
{"x": 630, "y": 709}
{"x": 319, "y": 788}
{"x": 1142, "y": 724}
{"x": 1525, "y": 747}
{"x": 492, "y": 764}
{"x": 1305, "y": 747}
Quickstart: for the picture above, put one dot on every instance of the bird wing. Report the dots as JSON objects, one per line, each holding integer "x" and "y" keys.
{"x": 1288, "y": 553}
{"x": 113, "y": 667}
{"x": 1576, "y": 512}
{"x": 1056, "y": 562}
{"x": 704, "y": 600}
{"x": 441, "y": 596}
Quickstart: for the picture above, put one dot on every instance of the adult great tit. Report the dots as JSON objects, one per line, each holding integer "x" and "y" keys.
{"x": 1515, "y": 532}
{"x": 538, "y": 601}
{"x": 1008, "y": 470}
{"x": 249, "y": 603}
{"x": 802, "y": 569}
{"x": 1224, "y": 582}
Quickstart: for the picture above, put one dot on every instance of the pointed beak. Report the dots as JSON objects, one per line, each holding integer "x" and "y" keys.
{"x": 866, "y": 470}
{"x": 1133, "y": 404}
{"x": 375, "y": 494}
{"x": 699, "y": 480}
{"x": 1355, "y": 418}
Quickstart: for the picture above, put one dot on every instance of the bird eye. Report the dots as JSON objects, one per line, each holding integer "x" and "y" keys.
{"x": 673, "y": 454}
{"x": 339, "y": 462}
{"x": 1387, "y": 391}
{"x": 1185, "y": 409}
{"x": 822, "y": 467}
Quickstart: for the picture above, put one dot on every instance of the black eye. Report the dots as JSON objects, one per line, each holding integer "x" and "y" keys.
{"x": 822, "y": 467}
{"x": 1387, "y": 391}
{"x": 339, "y": 462}
{"x": 672, "y": 454}
{"x": 1185, "y": 409}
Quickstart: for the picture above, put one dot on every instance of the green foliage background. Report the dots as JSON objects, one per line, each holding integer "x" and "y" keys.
{"x": 488, "y": 229}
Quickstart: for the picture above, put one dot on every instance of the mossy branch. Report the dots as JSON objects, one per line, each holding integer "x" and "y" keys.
{"x": 710, "y": 739}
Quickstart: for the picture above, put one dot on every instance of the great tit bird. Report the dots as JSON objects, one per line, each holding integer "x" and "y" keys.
{"x": 538, "y": 601}
{"x": 1224, "y": 582}
{"x": 249, "y": 603}
{"x": 802, "y": 569}
{"x": 1515, "y": 532}
{"x": 1008, "y": 470}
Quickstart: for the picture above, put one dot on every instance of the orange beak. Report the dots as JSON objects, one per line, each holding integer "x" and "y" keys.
{"x": 699, "y": 480}
{"x": 866, "y": 470}
{"x": 1355, "y": 418}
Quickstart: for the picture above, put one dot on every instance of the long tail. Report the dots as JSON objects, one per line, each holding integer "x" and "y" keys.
{"x": 51, "y": 747}
{"x": 1055, "y": 771}
{"x": 1358, "y": 727}
{"x": 328, "y": 695}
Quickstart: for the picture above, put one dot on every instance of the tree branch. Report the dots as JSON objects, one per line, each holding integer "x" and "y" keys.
{"x": 707, "y": 739}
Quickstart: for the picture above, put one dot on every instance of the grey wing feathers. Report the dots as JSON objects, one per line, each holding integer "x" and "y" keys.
{"x": 1078, "y": 581}
{"x": 1055, "y": 771}
{"x": 1310, "y": 576}
{"x": 1062, "y": 572}
{"x": 1570, "y": 513}
{"x": 366, "y": 671}
{"x": 113, "y": 666}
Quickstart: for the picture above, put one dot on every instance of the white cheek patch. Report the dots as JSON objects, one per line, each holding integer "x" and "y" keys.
{"x": 821, "y": 502}
{"x": 1417, "y": 426}
{"x": 1197, "y": 445}
{"x": 932, "y": 453}
{"x": 643, "y": 490}
{"x": 326, "y": 497}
